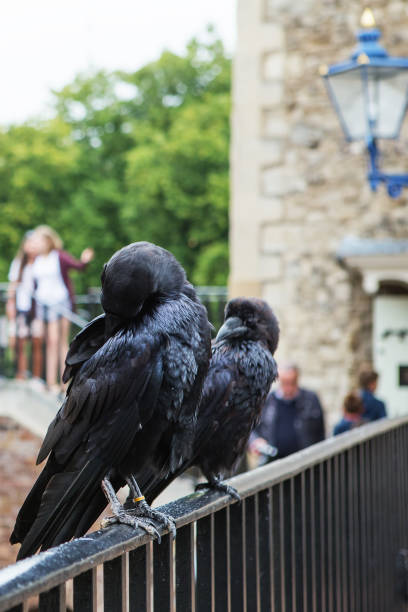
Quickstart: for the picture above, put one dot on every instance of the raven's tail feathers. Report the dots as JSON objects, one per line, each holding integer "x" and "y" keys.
{"x": 29, "y": 510}
{"x": 64, "y": 501}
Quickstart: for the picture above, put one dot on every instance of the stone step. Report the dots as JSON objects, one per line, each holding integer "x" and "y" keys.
{"x": 32, "y": 408}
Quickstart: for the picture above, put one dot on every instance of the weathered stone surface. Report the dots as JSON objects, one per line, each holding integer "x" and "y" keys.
{"x": 309, "y": 187}
{"x": 274, "y": 124}
{"x": 273, "y": 66}
{"x": 281, "y": 181}
{"x": 270, "y": 267}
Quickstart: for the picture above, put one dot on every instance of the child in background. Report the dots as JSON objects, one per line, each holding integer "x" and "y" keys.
{"x": 352, "y": 414}
{"x": 20, "y": 308}
{"x": 54, "y": 298}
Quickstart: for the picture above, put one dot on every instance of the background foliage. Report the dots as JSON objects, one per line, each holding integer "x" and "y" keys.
{"x": 128, "y": 156}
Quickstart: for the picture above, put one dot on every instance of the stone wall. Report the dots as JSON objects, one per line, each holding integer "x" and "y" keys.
{"x": 298, "y": 189}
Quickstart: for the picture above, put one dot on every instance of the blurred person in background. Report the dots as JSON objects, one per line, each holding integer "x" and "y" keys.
{"x": 374, "y": 408}
{"x": 20, "y": 308}
{"x": 352, "y": 414}
{"x": 54, "y": 298}
{"x": 291, "y": 419}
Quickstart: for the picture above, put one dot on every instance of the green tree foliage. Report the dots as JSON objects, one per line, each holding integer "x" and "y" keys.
{"x": 129, "y": 156}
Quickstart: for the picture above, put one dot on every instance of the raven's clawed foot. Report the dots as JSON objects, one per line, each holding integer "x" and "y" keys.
{"x": 218, "y": 485}
{"x": 144, "y": 511}
{"x": 127, "y": 518}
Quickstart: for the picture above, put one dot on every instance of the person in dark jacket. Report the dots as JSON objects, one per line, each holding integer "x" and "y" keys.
{"x": 292, "y": 417}
{"x": 374, "y": 408}
{"x": 353, "y": 409}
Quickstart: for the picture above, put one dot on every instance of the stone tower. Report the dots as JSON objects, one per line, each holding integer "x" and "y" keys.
{"x": 307, "y": 234}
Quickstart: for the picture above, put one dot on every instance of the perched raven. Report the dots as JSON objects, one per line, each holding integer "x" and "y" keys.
{"x": 136, "y": 379}
{"x": 242, "y": 369}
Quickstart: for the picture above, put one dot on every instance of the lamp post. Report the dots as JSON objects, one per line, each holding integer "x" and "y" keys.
{"x": 370, "y": 95}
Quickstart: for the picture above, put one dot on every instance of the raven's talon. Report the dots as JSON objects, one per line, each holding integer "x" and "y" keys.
{"x": 203, "y": 485}
{"x": 220, "y": 486}
{"x": 144, "y": 510}
{"x": 231, "y": 491}
{"x": 127, "y": 519}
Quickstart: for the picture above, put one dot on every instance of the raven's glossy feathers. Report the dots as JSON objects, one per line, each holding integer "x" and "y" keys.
{"x": 136, "y": 378}
{"x": 242, "y": 369}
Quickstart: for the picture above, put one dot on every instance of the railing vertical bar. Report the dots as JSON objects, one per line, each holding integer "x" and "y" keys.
{"x": 298, "y": 540}
{"x": 371, "y": 528}
{"x": 392, "y": 492}
{"x": 265, "y": 548}
{"x": 400, "y": 470}
{"x": 354, "y": 531}
{"x": 387, "y": 558}
{"x": 344, "y": 531}
{"x": 220, "y": 561}
{"x": 317, "y": 511}
{"x": 149, "y": 577}
{"x": 357, "y": 528}
{"x": 85, "y": 591}
{"x": 53, "y": 600}
{"x": 405, "y": 472}
{"x": 306, "y": 549}
{"x": 367, "y": 528}
{"x": 204, "y": 588}
{"x": 363, "y": 526}
{"x": 250, "y": 555}
{"x": 185, "y": 601}
{"x": 310, "y": 490}
{"x": 162, "y": 574}
{"x": 379, "y": 519}
{"x": 229, "y": 608}
{"x": 276, "y": 579}
{"x": 138, "y": 579}
{"x": 236, "y": 553}
{"x": 113, "y": 575}
{"x": 351, "y": 549}
{"x": 258, "y": 585}
{"x": 337, "y": 531}
{"x": 331, "y": 569}
{"x": 286, "y": 544}
{"x": 323, "y": 546}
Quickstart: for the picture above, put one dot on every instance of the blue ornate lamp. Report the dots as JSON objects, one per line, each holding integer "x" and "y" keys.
{"x": 370, "y": 95}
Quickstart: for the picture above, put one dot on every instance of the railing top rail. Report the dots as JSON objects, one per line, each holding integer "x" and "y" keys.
{"x": 48, "y": 569}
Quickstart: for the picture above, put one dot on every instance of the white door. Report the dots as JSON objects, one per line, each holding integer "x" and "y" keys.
{"x": 390, "y": 349}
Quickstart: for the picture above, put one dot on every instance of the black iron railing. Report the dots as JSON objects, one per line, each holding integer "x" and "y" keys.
{"x": 323, "y": 530}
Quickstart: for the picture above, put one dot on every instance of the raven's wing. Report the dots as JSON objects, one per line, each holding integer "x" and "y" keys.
{"x": 84, "y": 345}
{"x": 111, "y": 398}
{"x": 217, "y": 389}
{"x": 254, "y": 371}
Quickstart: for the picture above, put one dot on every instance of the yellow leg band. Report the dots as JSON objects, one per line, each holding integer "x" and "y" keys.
{"x": 138, "y": 499}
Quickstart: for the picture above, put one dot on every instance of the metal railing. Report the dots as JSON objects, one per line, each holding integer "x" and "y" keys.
{"x": 325, "y": 529}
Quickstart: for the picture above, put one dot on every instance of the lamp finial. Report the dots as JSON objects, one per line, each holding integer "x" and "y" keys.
{"x": 367, "y": 19}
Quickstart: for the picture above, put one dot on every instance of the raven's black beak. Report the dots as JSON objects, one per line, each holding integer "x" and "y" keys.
{"x": 232, "y": 328}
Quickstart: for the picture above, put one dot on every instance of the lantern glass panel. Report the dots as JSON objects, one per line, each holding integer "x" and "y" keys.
{"x": 348, "y": 96}
{"x": 370, "y": 100}
{"x": 387, "y": 99}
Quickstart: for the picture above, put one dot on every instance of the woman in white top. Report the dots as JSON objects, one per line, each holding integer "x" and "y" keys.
{"x": 20, "y": 310}
{"x": 54, "y": 298}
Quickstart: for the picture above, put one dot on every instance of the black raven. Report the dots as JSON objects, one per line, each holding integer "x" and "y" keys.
{"x": 136, "y": 378}
{"x": 241, "y": 371}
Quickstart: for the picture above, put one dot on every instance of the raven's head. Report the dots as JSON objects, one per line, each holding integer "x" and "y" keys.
{"x": 136, "y": 273}
{"x": 252, "y": 319}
